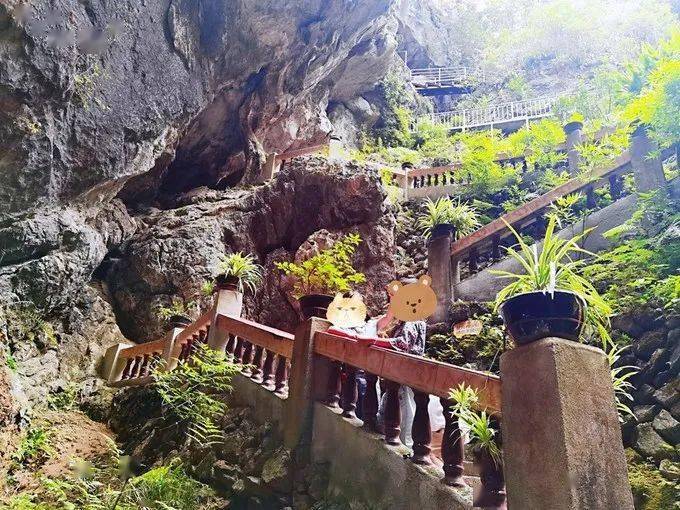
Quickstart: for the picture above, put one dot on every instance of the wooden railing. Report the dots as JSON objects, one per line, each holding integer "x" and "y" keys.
{"x": 490, "y": 116}
{"x": 425, "y": 377}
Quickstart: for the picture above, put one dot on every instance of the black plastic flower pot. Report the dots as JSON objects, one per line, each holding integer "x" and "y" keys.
{"x": 223, "y": 282}
{"x": 315, "y": 305}
{"x": 572, "y": 126}
{"x": 534, "y": 315}
{"x": 443, "y": 229}
{"x": 179, "y": 321}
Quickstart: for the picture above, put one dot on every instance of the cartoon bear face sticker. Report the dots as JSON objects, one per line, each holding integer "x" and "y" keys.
{"x": 414, "y": 301}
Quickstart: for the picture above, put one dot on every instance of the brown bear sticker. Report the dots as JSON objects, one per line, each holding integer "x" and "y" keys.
{"x": 414, "y": 301}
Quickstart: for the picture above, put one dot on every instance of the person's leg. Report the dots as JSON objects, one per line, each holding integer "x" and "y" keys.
{"x": 361, "y": 391}
{"x": 408, "y": 411}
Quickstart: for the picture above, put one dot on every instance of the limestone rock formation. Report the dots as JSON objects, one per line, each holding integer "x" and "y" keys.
{"x": 184, "y": 92}
{"x": 174, "y": 251}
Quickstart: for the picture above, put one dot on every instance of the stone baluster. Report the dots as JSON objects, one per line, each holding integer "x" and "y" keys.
{"x": 349, "y": 393}
{"x": 615, "y": 186}
{"x": 281, "y": 377}
{"x": 268, "y": 379}
{"x": 239, "y": 350}
{"x": 146, "y": 365}
{"x": 492, "y": 494}
{"x": 392, "y": 413}
{"x": 247, "y": 359}
{"x": 591, "y": 200}
{"x": 370, "y": 403}
{"x": 138, "y": 367}
{"x": 257, "y": 365}
{"x": 127, "y": 369}
{"x": 422, "y": 432}
{"x": 472, "y": 260}
{"x": 231, "y": 346}
{"x": 334, "y": 385}
{"x": 453, "y": 448}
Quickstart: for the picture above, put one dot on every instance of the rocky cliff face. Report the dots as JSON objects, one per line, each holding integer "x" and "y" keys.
{"x": 183, "y": 92}
{"x": 128, "y": 136}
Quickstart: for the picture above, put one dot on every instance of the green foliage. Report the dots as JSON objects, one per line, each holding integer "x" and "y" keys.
{"x": 620, "y": 376}
{"x": 26, "y": 324}
{"x": 328, "y": 272}
{"x": 396, "y": 121}
{"x": 555, "y": 268}
{"x": 65, "y": 399}
{"x": 109, "y": 485}
{"x": 85, "y": 80}
{"x": 562, "y": 209}
{"x": 651, "y": 490}
{"x": 34, "y": 448}
{"x": 600, "y": 154}
{"x": 482, "y": 434}
{"x": 194, "y": 392}
{"x": 538, "y": 141}
{"x": 462, "y": 216}
{"x": 176, "y": 307}
{"x": 10, "y": 362}
{"x": 244, "y": 268}
{"x": 208, "y": 288}
{"x": 478, "y": 153}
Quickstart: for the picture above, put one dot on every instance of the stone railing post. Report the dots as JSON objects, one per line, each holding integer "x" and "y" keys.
{"x": 335, "y": 148}
{"x": 113, "y": 365}
{"x": 574, "y": 132}
{"x": 302, "y": 391}
{"x": 170, "y": 349}
{"x": 561, "y": 436}
{"x": 439, "y": 268}
{"x": 269, "y": 168}
{"x": 228, "y": 302}
{"x": 647, "y": 170}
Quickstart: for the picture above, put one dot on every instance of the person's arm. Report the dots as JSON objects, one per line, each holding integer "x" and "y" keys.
{"x": 411, "y": 339}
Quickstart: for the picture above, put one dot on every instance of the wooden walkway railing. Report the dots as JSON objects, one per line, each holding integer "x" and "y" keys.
{"x": 496, "y": 115}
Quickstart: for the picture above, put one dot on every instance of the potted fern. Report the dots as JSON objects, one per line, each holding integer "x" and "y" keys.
{"x": 549, "y": 298}
{"x": 483, "y": 438}
{"x": 318, "y": 278}
{"x": 177, "y": 313}
{"x": 238, "y": 272}
{"x": 443, "y": 217}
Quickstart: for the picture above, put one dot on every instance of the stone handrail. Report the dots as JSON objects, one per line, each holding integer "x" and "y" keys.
{"x": 534, "y": 209}
{"x": 419, "y": 373}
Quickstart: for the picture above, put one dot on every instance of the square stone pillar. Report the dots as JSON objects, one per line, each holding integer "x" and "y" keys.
{"x": 647, "y": 170}
{"x": 227, "y": 302}
{"x": 574, "y": 136}
{"x": 562, "y": 444}
{"x": 171, "y": 350}
{"x": 269, "y": 168}
{"x": 439, "y": 268}
{"x": 113, "y": 365}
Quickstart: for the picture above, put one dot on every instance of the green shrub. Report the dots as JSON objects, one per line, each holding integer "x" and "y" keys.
{"x": 195, "y": 390}
{"x": 34, "y": 448}
{"x": 243, "y": 267}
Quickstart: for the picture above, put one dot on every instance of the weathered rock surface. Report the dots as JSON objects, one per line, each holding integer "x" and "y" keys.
{"x": 175, "y": 250}
{"x": 95, "y": 93}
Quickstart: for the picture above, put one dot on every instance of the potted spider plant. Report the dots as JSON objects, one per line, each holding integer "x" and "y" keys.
{"x": 483, "y": 438}
{"x": 238, "y": 272}
{"x": 318, "y": 278}
{"x": 443, "y": 217}
{"x": 176, "y": 314}
{"x": 550, "y": 297}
